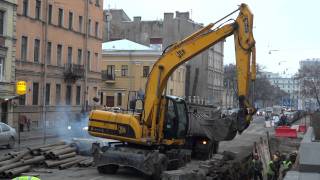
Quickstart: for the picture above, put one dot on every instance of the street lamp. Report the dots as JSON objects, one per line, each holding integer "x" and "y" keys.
{"x": 273, "y": 50}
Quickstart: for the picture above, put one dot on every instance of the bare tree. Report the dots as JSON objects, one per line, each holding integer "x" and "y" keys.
{"x": 309, "y": 77}
{"x": 264, "y": 91}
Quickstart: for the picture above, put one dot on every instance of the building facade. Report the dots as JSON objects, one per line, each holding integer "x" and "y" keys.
{"x": 288, "y": 85}
{"x": 8, "y": 10}
{"x": 308, "y": 103}
{"x": 58, "y": 53}
{"x": 204, "y": 73}
{"x": 125, "y": 69}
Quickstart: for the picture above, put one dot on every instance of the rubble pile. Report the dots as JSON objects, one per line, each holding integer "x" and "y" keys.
{"x": 59, "y": 155}
{"x": 226, "y": 165}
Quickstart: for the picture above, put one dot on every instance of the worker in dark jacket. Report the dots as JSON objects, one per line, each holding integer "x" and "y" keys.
{"x": 271, "y": 171}
{"x": 257, "y": 167}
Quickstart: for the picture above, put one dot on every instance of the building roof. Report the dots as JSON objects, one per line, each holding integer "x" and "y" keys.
{"x": 124, "y": 45}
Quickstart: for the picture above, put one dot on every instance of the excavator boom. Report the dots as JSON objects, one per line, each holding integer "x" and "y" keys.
{"x": 201, "y": 40}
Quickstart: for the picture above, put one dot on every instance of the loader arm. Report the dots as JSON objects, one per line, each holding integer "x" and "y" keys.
{"x": 201, "y": 40}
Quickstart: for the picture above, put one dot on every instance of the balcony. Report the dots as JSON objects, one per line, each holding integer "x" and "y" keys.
{"x": 108, "y": 77}
{"x": 73, "y": 72}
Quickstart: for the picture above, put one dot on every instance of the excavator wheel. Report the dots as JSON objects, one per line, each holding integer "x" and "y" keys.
{"x": 108, "y": 169}
{"x": 161, "y": 166}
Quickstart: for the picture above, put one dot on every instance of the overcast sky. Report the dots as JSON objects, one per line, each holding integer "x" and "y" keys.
{"x": 290, "y": 26}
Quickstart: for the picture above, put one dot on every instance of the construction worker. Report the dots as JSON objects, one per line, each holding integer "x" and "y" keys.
{"x": 257, "y": 167}
{"x": 277, "y": 163}
{"x": 271, "y": 171}
{"x": 26, "y": 178}
{"x": 287, "y": 164}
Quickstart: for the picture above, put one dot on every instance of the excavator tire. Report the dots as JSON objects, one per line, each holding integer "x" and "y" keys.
{"x": 161, "y": 166}
{"x": 108, "y": 169}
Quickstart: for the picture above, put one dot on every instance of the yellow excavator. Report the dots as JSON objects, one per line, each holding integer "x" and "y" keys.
{"x": 157, "y": 138}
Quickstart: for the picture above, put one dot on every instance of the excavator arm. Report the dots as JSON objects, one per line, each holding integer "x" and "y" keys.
{"x": 201, "y": 40}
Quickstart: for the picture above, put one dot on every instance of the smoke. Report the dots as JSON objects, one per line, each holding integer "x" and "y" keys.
{"x": 67, "y": 123}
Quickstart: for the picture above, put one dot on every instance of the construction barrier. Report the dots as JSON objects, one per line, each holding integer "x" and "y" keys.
{"x": 286, "y": 131}
{"x": 302, "y": 128}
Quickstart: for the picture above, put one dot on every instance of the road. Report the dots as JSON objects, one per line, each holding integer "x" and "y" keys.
{"x": 255, "y": 130}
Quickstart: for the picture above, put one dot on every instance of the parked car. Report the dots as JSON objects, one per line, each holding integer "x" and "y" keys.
{"x": 7, "y": 135}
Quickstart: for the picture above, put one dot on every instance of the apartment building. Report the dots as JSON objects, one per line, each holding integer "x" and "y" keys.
{"x": 305, "y": 102}
{"x": 7, "y": 56}
{"x": 57, "y": 53}
{"x": 288, "y": 85}
{"x": 204, "y": 73}
{"x": 125, "y": 69}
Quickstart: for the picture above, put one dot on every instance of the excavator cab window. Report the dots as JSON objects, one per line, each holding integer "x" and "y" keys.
{"x": 176, "y": 120}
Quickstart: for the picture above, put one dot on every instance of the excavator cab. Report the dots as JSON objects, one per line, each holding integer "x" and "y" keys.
{"x": 176, "y": 118}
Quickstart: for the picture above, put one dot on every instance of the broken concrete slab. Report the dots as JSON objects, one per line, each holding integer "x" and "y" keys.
{"x": 296, "y": 175}
{"x": 309, "y": 159}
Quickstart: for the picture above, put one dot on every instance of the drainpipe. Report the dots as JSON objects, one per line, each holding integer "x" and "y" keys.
{"x": 85, "y": 62}
{"x": 44, "y": 108}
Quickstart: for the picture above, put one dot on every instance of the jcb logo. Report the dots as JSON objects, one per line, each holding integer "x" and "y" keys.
{"x": 180, "y": 53}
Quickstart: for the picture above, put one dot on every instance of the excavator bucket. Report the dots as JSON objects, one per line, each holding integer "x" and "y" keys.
{"x": 107, "y": 158}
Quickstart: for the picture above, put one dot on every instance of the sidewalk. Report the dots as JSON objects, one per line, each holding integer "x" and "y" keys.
{"x": 37, "y": 134}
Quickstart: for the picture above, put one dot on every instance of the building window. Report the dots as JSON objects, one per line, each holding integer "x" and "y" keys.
{"x": 124, "y": 70}
{"x": 69, "y": 55}
{"x": 47, "y": 93}
{"x": 49, "y": 53}
{"x": 119, "y": 99}
{"x": 171, "y": 91}
{"x": 35, "y": 94}
{"x": 145, "y": 71}
{"x": 1, "y": 22}
{"x": 24, "y": 48}
{"x": 50, "y": 14}
{"x": 38, "y": 9}
{"x": 80, "y": 23}
{"x": 68, "y": 95}
{"x": 89, "y": 26}
{"x": 96, "y": 32}
{"x": 58, "y": 93}
{"x": 110, "y": 72}
{"x": 70, "y": 20}
{"x": 89, "y": 61}
{"x": 22, "y": 100}
{"x": 1, "y": 68}
{"x": 79, "y": 56}
{"x": 36, "y": 50}
{"x": 101, "y": 98}
{"x": 59, "y": 54}
{"x": 96, "y": 56}
{"x": 97, "y": 3}
{"x": 25, "y": 7}
{"x": 78, "y": 95}
{"x": 60, "y": 18}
